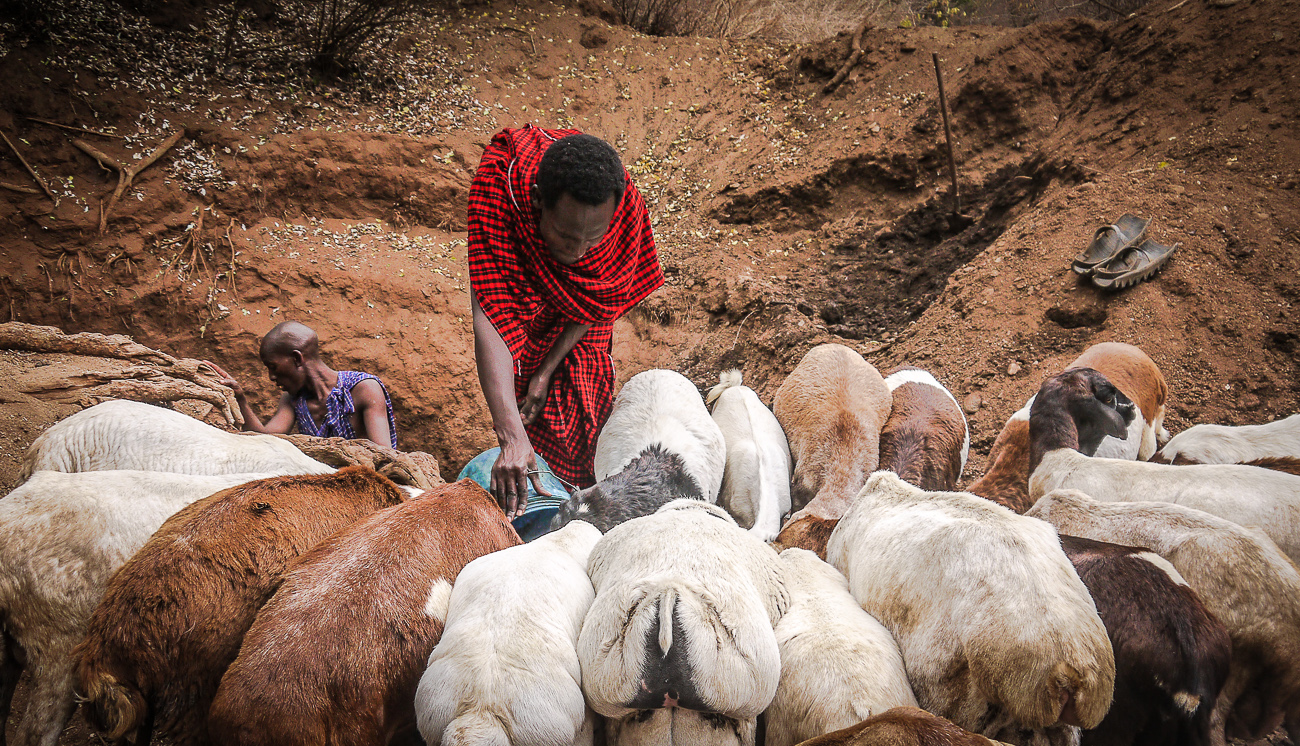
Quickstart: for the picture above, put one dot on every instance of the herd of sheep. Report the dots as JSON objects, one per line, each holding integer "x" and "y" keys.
{"x": 800, "y": 574}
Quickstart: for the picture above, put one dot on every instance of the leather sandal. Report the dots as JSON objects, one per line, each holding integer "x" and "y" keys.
{"x": 1109, "y": 241}
{"x": 1132, "y": 265}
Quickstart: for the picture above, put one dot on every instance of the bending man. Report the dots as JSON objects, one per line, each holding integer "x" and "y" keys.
{"x": 320, "y": 401}
{"x": 560, "y": 246}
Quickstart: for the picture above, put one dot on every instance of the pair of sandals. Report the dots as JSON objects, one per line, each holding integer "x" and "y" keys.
{"x": 1121, "y": 255}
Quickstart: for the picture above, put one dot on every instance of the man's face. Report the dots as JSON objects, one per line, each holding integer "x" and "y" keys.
{"x": 571, "y": 228}
{"x": 285, "y": 371}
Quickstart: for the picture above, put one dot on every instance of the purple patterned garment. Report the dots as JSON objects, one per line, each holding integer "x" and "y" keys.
{"x": 339, "y": 407}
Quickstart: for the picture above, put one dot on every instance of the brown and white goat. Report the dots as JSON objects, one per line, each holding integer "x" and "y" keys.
{"x": 832, "y": 408}
{"x": 1132, "y": 371}
{"x": 1239, "y": 575}
{"x": 925, "y": 442}
{"x": 1171, "y": 653}
{"x": 335, "y": 655}
{"x": 174, "y": 615}
{"x": 902, "y": 726}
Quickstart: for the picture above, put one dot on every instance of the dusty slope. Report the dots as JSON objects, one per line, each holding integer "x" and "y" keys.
{"x": 785, "y": 218}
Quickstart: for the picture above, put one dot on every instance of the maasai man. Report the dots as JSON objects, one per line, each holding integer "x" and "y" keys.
{"x": 320, "y": 401}
{"x": 560, "y": 245}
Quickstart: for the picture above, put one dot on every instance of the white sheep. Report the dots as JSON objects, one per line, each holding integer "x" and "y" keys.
{"x": 663, "y": 407}
{"x": 124, "y": 434}
{"x": 62, "y": 536}
{"x": 756, "y": 483}
{"x": 685, "y": 605}
{"x": 839, "y": 666}
{"x": 997, "y": 631}
{"x": 1079, "y": 404}
{"x": 1238, "y": 573}
{"x": 506, "y": 668}
{"x": 1224, "y": 444}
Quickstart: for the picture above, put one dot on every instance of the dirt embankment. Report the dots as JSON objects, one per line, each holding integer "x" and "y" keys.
{"x": 784, "y": 217}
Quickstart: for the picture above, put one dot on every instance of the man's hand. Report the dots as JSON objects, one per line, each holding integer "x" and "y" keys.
{"x": 510, "y": 477}
{"x": 534, "y": 401}
{"x": 225, "y": 379}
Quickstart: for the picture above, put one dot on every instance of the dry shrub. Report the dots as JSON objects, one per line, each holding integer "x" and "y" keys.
{"x": 811, "y": 20}
{"x": 1025, "y": 12}
{"x": 678, "y": 17}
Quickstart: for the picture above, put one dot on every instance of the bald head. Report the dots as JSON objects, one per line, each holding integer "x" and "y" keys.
{"x": 289, "y": 337}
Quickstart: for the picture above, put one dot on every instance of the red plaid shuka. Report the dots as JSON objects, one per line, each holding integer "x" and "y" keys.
{"x": 529, "y": 297}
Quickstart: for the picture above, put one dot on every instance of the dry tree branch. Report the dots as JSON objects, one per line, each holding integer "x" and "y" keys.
{"x": 125, "y": 174}
{"x": 854, "y": 57}
{"x": 44, "y": 187}
{"x": 76, "y": 129}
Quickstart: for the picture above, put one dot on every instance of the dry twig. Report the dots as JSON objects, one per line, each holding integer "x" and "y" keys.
{"x": 19, "y": 188}
{"x": 71, "y": 128}
{"x": 44, "y": 187}
{"x": 854, "y": 57}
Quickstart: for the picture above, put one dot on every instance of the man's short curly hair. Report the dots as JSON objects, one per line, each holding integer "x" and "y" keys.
{"x": 585, "y": 167}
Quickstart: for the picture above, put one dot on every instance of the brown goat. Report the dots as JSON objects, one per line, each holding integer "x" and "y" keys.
{"x": 925, "y": 440}
{"x": 345, "y": 671}
{"x": 901, "y": 726}
{"x": 1171, "y": 654}
{"x": 831, "y": 407}
{"x": 173, "y": 616}
{"x": 1132, "y": 371}
{"x": 806, "y": 532}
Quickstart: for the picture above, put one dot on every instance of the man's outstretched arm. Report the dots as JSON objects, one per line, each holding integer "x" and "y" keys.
{"x": 496, "y": 374}
{"x": 280, "y": 423}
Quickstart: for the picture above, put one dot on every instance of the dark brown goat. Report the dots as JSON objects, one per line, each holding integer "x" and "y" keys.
{"x": 901, "y": 726}
{"x": 173, "y": 616}
{"x": 1171, "y": 654}
{"x": 336, "y": 654}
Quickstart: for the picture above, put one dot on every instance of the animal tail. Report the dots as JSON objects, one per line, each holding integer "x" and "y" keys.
{"x": 475, "y": 728}
{"x": 112, "y": 707}
{"x": 728, "y": 379}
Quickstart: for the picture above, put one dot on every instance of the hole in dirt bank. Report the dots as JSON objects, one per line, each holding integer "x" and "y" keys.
{"x": 1091, "y": 317}
{"x": 879, "y": 282}
{"x": 844, "y": 187}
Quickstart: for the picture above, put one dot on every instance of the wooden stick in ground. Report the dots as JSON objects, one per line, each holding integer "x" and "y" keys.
{"x": 71, "y": 128}
{"x": 44, "y": 187}
{"x": 19, "y": 188}
{"x": 947, "y": 132}
{"x": 854, "y": 57}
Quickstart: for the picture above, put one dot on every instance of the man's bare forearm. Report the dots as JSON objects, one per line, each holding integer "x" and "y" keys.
{"x": 564, "y": 344}
{"x": 496, "y": 374}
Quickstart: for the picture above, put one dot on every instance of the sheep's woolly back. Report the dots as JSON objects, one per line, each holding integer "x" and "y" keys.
{"x": 756, "y": 482}
{"x": 726, "y": 380}
{"x": 129, "y": 435}
{"x": 507, "y": 661}
{"x": 1223, "y": 444}
{"x": 839, "y": 665}
{"x": 662, "y": 406}
{"x": 1245, "y": 495}
{"x": 688, "y": 564}
{"x": 961, "y": 581}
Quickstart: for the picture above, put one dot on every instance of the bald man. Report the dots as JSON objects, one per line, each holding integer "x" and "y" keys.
{"x": 320, "y": 401}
